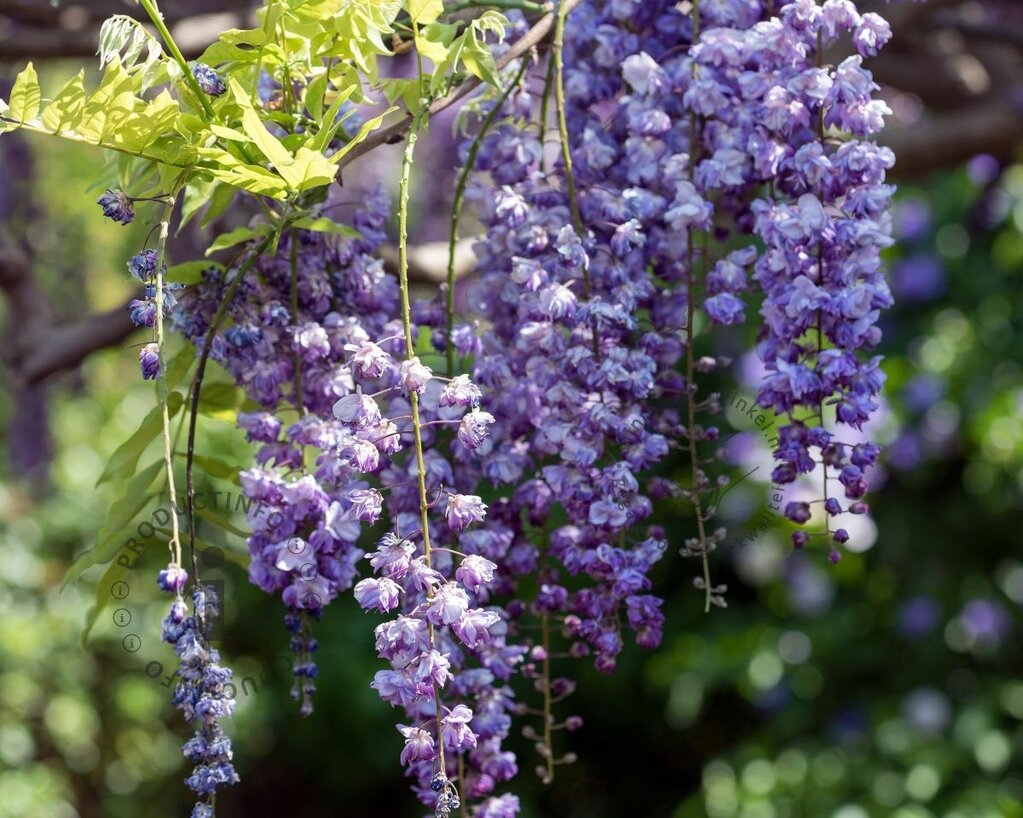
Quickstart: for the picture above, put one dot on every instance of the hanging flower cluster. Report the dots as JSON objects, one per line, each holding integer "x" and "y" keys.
{"x": 517, "y": 489}
{"x": 201, "y": 692}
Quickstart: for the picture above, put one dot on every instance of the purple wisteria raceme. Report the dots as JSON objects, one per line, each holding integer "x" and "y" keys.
{"x": 203, "y": 692}
{"x": 809, "y": 126}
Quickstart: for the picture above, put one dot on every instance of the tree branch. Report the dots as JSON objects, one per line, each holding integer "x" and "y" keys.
{"x": 36, "y": 346}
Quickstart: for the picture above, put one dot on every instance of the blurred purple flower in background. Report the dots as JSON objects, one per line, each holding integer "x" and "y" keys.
{"x": 918, "y": 616}
{"x": 983, "y": 169}
{"x": 912, "y": 218}
{"x": 985, "y": 621}
{"x": 919, "y": 278}
{"x": 922, "y": 392}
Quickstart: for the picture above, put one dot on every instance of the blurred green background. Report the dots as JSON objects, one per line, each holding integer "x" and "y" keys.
{"x": 888, "y": 685}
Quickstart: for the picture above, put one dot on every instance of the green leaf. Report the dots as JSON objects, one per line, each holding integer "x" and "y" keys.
{"x": 369, "y": 125}
{"x": 109, "y": 539}
{"x": 221, "y": 199}
{"x": 179, "y": 365}
{"x": 220, "y": 397}
{"x": 115, "y": 573}
{"x": 331, "y": 121}
{"x": 113, "y": 117}
{"x": 479, "y": 61}
{"x": 314, "y": 93}
{"x": 66, "y": 107}
{"x": 221, "y": 522}
{"x": 324, "y": 225}
{"x": 424, "y": 12}
{"x": 237, "y": 236}
{"x": 25, "y": 96}
{"x": 268, "y": 144}
{"x": 311, "y": 169}
{"x": 123, "y": 461}
{"x": 215, "y": 467}
{"x": 190, "y": 272}
{"x": 433, "y": 41}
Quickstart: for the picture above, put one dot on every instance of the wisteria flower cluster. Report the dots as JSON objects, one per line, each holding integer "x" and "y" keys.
{"x": 202, "y": 691}
{"x": 512, "y": 455}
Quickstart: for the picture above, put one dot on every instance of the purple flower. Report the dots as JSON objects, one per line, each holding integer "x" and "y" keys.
{"x": 392, "y": 558}
{"x": 368, "y": 360}
{"x": 725, "y": 308}
{"x": 413, "y": 375}
{"x": 117, "y": 206}
{"x": 432, "y": 670}
{"x": 688, "y": 210}
{"x": 475, "y": 571}
{"x": 473, "y": 628}
{"x": 643, "y": 74}
{"x": 460, "y": 391}
{"x": 357, "y": 409}
{"x": 472, "y": 430}
{"x": 455, "y": 728}
{"x": 380, "y": 594}
{"x": 208, "y": 79}
{"x": 142, "y": 265}
{"x": 448, "y": 604}
{"x": 172, "y": 579}
{"x": 418, "y": 745}
{"x": 149, "y": 360}
{"x": 463, "y": 510}
{"x": 871, "y": 34}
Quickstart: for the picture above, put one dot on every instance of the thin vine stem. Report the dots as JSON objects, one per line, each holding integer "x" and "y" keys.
{"x": 566, "y": 155}
{"x": 150, "y": 7}
{"x": 200, "y": 373}
{"x": 297, "y": 359}
{"x": 694, "y": 457}
{"x": 520, "y": 5}
{"x": 161, "y": 253}
{"x": 545, "y": 106}
{"x": 456, "y": 207}
{"x": 410, "y": 351}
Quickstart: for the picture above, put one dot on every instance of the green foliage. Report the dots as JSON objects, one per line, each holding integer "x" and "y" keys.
{"x": 123, "y": 462}
{"x": 125, "y": 39}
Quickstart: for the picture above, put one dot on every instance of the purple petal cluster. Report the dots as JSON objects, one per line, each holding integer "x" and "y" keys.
{"x": 203, "y": 693}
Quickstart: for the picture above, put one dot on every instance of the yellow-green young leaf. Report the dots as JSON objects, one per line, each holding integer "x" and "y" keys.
{"x": 66, "y": 107}
{"x": 230, "y": 134}
{"x": 424, "y": 12}
{"x": 432, "y": 50}
{"x": 331, "y": 121}
{"x": 237, "y": 236}
{"x": 311, "y": 169}
{"x": 268, "y": 144}
{"x": 324, "y": 225}
{"x": 314, "y": 94}
{"x": 112, "y": 536}
{"x": 221, "y": 199}
{"x": 369, "y": 125}
{"x": 479, "y": 61}
{"x": 25, "y": 96}
{"x": 197, "y": 194}
{"x": 123, "y": 461}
